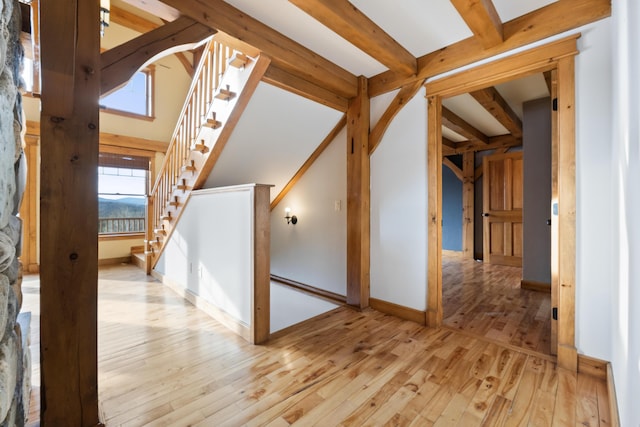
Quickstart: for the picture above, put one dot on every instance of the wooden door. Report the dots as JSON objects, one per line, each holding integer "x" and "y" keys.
{"x": 502, "y": 209}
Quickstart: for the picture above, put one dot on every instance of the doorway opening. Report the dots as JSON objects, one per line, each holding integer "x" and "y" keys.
{"x": 558, "y": 59}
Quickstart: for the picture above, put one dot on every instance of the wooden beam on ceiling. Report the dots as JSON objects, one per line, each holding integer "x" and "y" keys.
{"x": 354, "y": 26}
{"x": 286, "y": 53}
{"x": 482, "y": 19}
{"x": 405, "y": 95}
{"x": 120, "y": 63}
{"x": 157, "y": 8}
{"x": 457, "y": 124}
{"x": 495, "y": 104}
{"x": 295, "y": 84}
{"x": 500, "y": 141}
{"x": 131, "y": 20}
{"x": 555, "y": 18}
{"x": 449, "y": 143}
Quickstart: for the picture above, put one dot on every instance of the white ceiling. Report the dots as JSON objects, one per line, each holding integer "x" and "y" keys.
{"x": 276, "y": 134}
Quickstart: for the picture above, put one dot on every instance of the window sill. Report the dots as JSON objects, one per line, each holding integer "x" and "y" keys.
{"x": 127, "y": 114}
{"x": 120, "y": 236}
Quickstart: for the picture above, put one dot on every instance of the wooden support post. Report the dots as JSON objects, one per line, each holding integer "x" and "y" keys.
{"x": 434, "y": 226}
{"x": 358, "y": 197}
{"x": 468, "y": 192}
{"x": 567, "y": 353}
{"x": 28, "y": 210}
{"x": 70, "y": 38}
{"x": 261, "y": 303}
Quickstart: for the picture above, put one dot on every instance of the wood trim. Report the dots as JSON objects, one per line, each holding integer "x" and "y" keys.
{"x": 455, "y": 169}
{"x": 532, "y": 61}
{"x": 157, "y": 8}
{"x": 322, "y": 293}
{"x": 613, "y": 400}
{"x": 221, "y": 316}
{"x": 114, "y": 261}
{"x": 70, "y": 41}
{"x": 434, "y": 216}
{"x": 531, "y": 285}
{"x": 457, "y": 124}
{"x": 555, "y": 18}
{"x": 354, "y": 26}
{"x": 261, "y": 301}
{"x": 312, "y": 158}
{"x": 286, "y": 53}
{"x": 505, "y": 69}
{"x": 115, "y": 140}
{"x": 29, "y": 206}
{"x": 295, "y": 84}
{"x": 400, "y": 311}
{"x": 567, "y": 352}
{"x": 468, "y": 204}
{"x": 121, "y": 236}
{"x": 35, "y": 45}
{"x": 120, "y": 63}
{"x": 358, "y": 198}
{"x": 497, "y": 106}
{"x": 482, "y": 19}
{"x": 591, "y": 366}
{"x": 131, "y": 20}
{"x": 127, "y": 114}
{"x": 403, "y": 97}
{"x": 555, "y": 137}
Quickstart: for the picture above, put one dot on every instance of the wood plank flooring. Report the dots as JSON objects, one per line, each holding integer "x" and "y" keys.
{"x": 164, "y": 363}
{"x": 487, "y": 300}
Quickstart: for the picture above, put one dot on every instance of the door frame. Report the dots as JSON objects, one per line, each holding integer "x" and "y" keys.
{"x": 560, "y": 56}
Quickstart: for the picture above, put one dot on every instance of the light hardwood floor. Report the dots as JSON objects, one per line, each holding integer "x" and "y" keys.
{"x": 487, "y": 300}
{"x": 164, "y": 363}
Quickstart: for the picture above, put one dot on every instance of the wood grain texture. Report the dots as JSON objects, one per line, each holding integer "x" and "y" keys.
{"x": 354, "y": 26}
{"x": 487, "y": 300}
{"x": 554, "y": 18}
{"x": 457, "y": 124}
{"x": 482, "y": 19}
{"x": 358, "y": 198}
{"x": 69, "y": 212}
{"x": 285, "y": 52}
{"x": 453, "y": 167}
{"x": 261, "y": 302}
{"x": 434, "y": 209}
{"x": 496, "y": 105}
{"x": 468, "y": 203}
{"x": 164, "y": 362}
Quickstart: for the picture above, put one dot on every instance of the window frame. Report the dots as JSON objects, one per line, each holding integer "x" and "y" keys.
{"x": 150, "y": 74}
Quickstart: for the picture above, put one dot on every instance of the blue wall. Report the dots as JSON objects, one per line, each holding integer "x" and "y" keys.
{"x": 451, "y": 210}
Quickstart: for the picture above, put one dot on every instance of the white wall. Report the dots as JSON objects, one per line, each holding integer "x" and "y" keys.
{"x": 314, "y": 251}
{"x": 117, "y": 248}
{"x": 399, "y": 208}
{"x": 210, "y": 253}
{"x": 625, "y": 277}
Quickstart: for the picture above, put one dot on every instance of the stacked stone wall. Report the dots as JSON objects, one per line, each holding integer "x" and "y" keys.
{"x": 15, "y": 364}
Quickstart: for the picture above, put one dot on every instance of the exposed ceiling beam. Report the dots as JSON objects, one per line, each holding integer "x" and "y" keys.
{"x": 131, "y": 20}
{"x": 482, "y": 19}
{"x": 548, "y": 80}
{"x": 354, "y": 26}
{"x": 495, "y": 104}
{"x": 157, "y": 8}
{"x": 500, "y": 141}
{"x": 449, "y": 143}
{"x": 547, "y": 21}
{"x": 287, "y": 54}
{"x": 292, "y": 83}
{"x": 120, "y": 63}
{"x": 457, "y": 124}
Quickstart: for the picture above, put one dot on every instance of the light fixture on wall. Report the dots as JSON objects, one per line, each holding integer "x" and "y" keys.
{"x": 291, "y": 219}
{"x": 105, "y": 10}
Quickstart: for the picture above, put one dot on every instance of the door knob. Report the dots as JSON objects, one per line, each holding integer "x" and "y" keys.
{"x": 485, "y": 214}
{"x": 548, "y": 222}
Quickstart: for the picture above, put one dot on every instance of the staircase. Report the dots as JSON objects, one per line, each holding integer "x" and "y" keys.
{"x": 224, "y": 81}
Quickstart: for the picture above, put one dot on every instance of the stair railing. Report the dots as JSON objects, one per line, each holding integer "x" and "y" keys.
{"x": 194, "y": 115}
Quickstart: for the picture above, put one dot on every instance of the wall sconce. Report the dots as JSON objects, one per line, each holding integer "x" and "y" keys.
{"x": 291, "y": 219}
{"x": 105, "y": 10}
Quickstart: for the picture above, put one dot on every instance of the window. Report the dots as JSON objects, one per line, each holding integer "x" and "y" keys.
{"x": 133, "y": 99}
{"x": 122, "y": 189}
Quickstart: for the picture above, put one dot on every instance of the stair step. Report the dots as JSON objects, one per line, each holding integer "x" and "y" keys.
{"x": 166, "y": 217}
{"x": 190, "y": 167}
{"x": 174, "y": 202}
{"x": 212, "y": 122}
{"x": 225, "y": 94}
{"x": 239, "y": 60}
{"x": 201, "y": 147}
{"x": 160, "y": 231}
{"x": 183, "y": 187}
